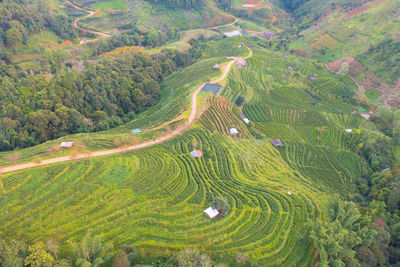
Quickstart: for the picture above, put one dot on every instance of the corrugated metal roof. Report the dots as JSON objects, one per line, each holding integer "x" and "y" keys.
{"x": 211, "y": 212}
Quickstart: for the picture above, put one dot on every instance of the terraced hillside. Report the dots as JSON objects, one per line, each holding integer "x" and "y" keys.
{"x": 114, "y": 13}
{"x": 341, "y": 33}
{"x": 309, "y": 116}
{"x": 154, "y": 197}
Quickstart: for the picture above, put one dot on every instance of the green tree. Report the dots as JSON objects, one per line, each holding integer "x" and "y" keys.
{"x": 38, "y": 256}
{"x": 92, "y": 252}
{"x": 342, "y": 232}
{"x": 121, "y": 259}
{"x": 344, "y": 69}
{"x": 189, "y": 257}
{"x": 13, "y": 37}
{"x": 12, "y": 253}
{"x": 222, "y": 205}
{"x": 239, "y": 101}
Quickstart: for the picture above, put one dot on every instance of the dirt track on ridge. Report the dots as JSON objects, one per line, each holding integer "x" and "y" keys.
{"x": 161, "y": 139}
{"x": 91, "y": 13}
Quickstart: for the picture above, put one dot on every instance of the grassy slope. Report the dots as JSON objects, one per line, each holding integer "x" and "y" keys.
{"x": 149, "y": 16}
{"x": 378, "y": 21}
{"x": 154, "y": 197}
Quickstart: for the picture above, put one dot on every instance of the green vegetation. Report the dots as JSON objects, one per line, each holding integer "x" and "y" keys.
{"x": 19, "y": 21}
{"x": 111, "y": 4}
{"x": 109, "y": 91}
{"x": 346, "y": 32}
{"x": 327, "y": 195}
{"x": 150, "y": 185}
{"x": 384, "y": 59}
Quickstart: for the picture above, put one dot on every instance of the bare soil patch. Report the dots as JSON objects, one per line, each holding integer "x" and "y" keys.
{"x": 354, "y": 64}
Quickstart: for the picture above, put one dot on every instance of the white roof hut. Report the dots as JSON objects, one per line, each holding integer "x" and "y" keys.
{"x": 211, "y": 212}
{"x": 233, "y": 131}
{"x": 66, "y": 144}
{"x": 289, "y": 193}
{"x": 246, "y": 120}
{"x": 290, "y": 68}
{"x": 196, "y": 154}
{"x": 349, "y": 130}
{"x": 233, "y": 33}
{"x": 365, "y": 115}
{"x": 215, "y": 67}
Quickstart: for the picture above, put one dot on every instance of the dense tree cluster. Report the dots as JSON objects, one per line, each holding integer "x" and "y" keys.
{"x": 345, "y": 230}
{"x": 35, "y": 108}
{"x": 379, "y": 190}
{"x": 135, "y": 37}
{"x": 91, "y": 251}
{"x": 19, "y": 20}
{"x": 224, "y": 4}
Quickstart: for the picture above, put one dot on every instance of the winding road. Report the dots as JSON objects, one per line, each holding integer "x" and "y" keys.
{"x": 161, "y": 139}
{"x": 91, "y": 13}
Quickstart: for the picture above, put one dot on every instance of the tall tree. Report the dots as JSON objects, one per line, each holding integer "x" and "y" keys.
{"x": 92, "y": 252}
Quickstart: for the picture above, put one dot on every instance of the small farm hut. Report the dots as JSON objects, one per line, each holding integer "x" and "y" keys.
{"x": 277, "y": 142}
{"x": 311, "y": 78}
{"x": 136, "y": 131}
{"x": 285, "y": 55}
{"x": 267, "y": 35}
{"x": 289, "y": 193}
{"x": 196, "y": 154}
{"x": 215, "y": 67}
{"x": 365, "y": 115}
{"x": 314, "y": 104}
{"x": 240, "y": 62}
{"x": 349, "y": 130}
{"x": 66, "y": 144}
{"x": 315, "y": 75}
{"x": 233, "y": 33}
{"x": 242, "y": 116}
{"x": 233, "y": 131}
{"x": 246, "y": 120}
{"x": 211, "y": 212}
{"x": 290, "y": 68}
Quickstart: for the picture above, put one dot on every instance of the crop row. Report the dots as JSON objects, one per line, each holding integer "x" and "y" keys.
{"x": 156, "y": 196}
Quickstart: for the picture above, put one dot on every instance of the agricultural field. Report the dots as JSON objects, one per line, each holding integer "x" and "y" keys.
{"x": 340, "y": 33}
{"x": 154, "y": 197}
{"x": 174, "y": 100}
{"x": 110, "y": 14}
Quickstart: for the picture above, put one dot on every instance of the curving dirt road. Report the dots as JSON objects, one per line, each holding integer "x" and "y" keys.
{"x": 128, "y": 148}
{"x": 91, "y": 13}
{"x": 225, "y": 25}
{"x": 274, "y": 19}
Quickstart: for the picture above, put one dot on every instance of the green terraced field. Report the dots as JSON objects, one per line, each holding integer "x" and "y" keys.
{"x": 154, "y": 197}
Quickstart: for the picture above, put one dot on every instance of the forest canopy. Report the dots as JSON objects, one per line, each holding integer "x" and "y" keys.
{"x": 19, "y": 21}
{"x": 35, "y": 108}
